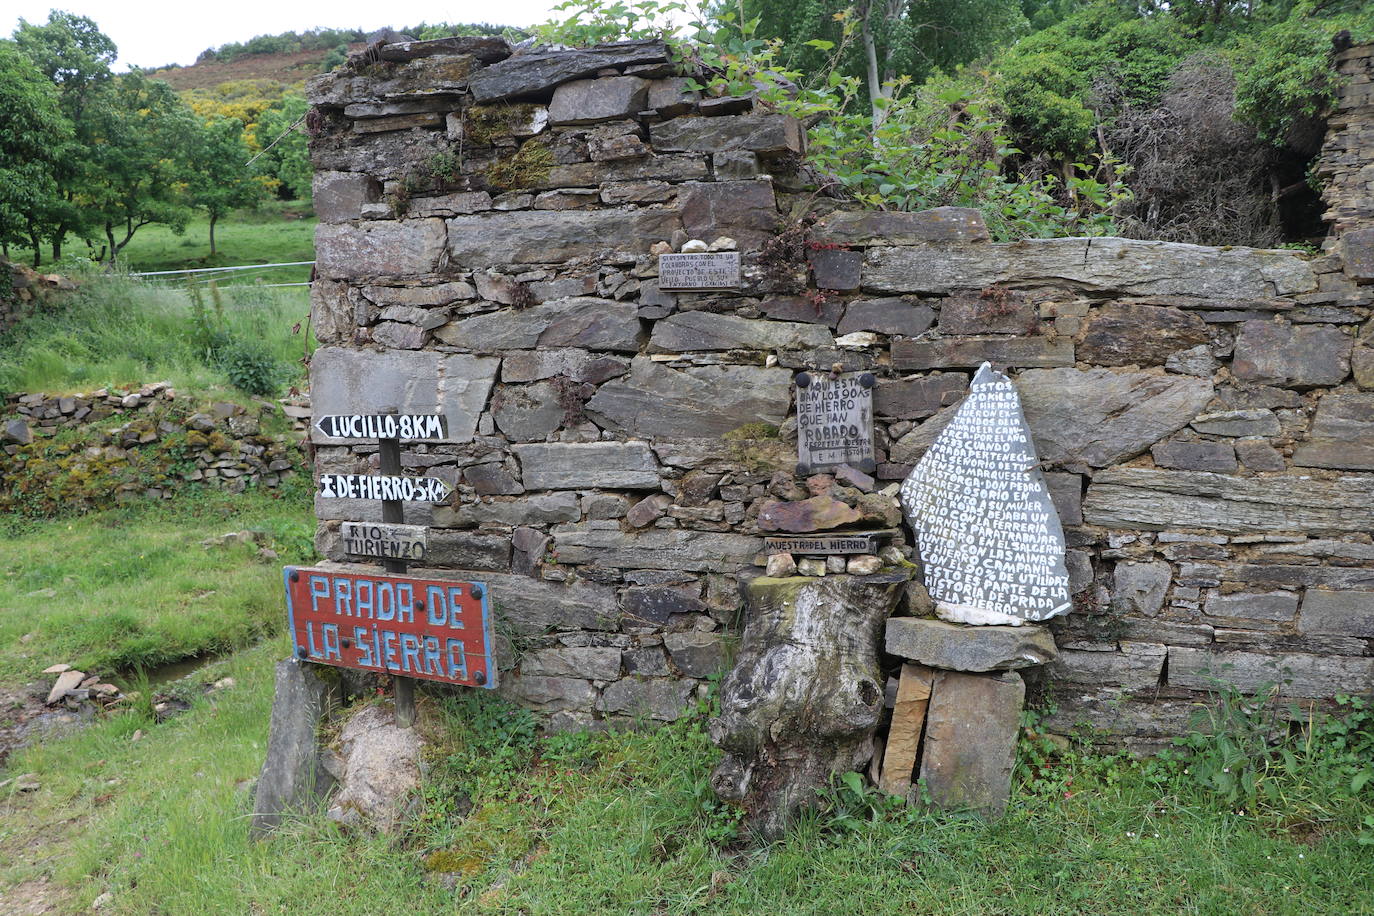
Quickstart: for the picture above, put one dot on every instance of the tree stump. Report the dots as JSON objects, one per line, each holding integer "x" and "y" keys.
{"x": 805, "y": 694}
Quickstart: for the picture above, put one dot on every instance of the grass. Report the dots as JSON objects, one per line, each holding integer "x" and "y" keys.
{"x": 277, "y": 233}
{"x": 119, "y": 331}
{"x": 620, "y": 823}
{"x": 133, "y": 587}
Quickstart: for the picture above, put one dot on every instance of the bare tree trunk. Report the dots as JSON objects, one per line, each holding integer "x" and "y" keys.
{"x": 805, "y": 695}
{"x": 875, "y": 87}
{"x": 213, "y": 217}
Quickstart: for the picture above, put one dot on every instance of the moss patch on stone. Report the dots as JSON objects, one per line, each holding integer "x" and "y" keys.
{"x": 529, "y": 167}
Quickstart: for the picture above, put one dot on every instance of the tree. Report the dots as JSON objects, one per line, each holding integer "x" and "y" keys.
{"x": 289, "y": 160}
{"x": 32, "y": 130}
{"x": 220, "y": 180}
{"x": 143, "y": 136}
{"x": 896, "y": 38}
{"x": 75, "y": 56}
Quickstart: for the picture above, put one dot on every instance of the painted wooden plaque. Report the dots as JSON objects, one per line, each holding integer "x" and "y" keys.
{"x": 434, "y": 629}
{"x": 834, "y": 421}
{"x": 987, "y": 532}
{"x": 389, "y": 541}
{"x": 704, "y": 270}
{"x": 823, "y": 544}
{"x": 406, "y": 427}
{"x": 383, "y": 486}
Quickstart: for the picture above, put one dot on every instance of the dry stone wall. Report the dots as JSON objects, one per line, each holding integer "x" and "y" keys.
{"x": 487, "y": 247}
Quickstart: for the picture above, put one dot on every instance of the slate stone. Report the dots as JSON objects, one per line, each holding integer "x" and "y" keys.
{"x": 589, "y": 101}
{"x": 802, "y": 308}
{"x": 1362, "y": 366}
{"x": 663, "y": 699}
{"x": 527, "y": 413}
{"x": 887, "y": 316}
{"x": 1139, "y": 588}
{"x": 347, "y": 381}
{"x": 339, "y": 196}
{"x": 1195, "y": 456}
{"x": 1298, "y": 356}
{"x": 656, "y": 605}
{"x": 670, "y": 167}
{"x": 545, "y": 237}
{"x": 548, "y": 694}
{"x": 696, "y": 654}
{"x": 1249, "y": 422}
{"x": 971, "y": 727}
{"x": 386, "y": 157}
{"x": 291, "y": 776}
{"x": 743, "y": 210}
{"x": 1118, "y": 265}
{"x": 819, "y": 513}
{"x": 532, "y": 606}
{"x": 836, "y": 269}
{"x": 695, "y": 331}
{"x": 1159, "y": 500}
{"x": 578, "y": 365}
{"x": 648, "y": 510}
{"x": 455, "y": 204}
{"x": 648, "y": 661}
{"x": 462, "y": 550}
{"x": 1267, "y": 607}
{"x": 1348, "y": 613}
{"x": 895, "y": 227}
{"x": 430, "y": 296}
{"x": 656, "y": 548}
{"x": 1066, "y": 492}
{"x": 957, "y": 647}
{"x": 401, "y": 106}
{"x": 18, "y": 432}
{"x": 1342, "y": 433}
{"x": 487, "y": 49}
{"x": 1197, "y": 361}
{"x": 492, "y": 480}
{"x": 597, "y": 663}
{"x": 1357, "y": 253}
{"x": 918, "y": 396}
{"x": 1258, "y": 455}
{"x": 378, "y": 248}
{"x": 964, "y": 352}
{"x": 538, "y": 72}
{"x": 657, "y": 402}
{"x": 394, "y": 335}
{"x": 765, "y": 134}
{"x": 574, "y": 465}
{"x": 582, "y": 322}
{"x": 1102, "y": 417}
{"x": 536, "y": 509}
{"x": 399, "y": 122}
{"x": 1296, "y": 674}
{"x": 1137, "y": 666}
{"x": 1000, "y": 312}
{"x": 671, "y": 97}
{"x": 1139, "y": 335}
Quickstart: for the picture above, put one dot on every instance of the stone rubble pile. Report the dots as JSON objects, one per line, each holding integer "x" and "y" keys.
{"x": 486, "y": 247}
{"x": 224, "y": 444}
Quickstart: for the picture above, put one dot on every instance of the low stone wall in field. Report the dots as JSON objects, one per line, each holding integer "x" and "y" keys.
{"x": 488, "y": 244}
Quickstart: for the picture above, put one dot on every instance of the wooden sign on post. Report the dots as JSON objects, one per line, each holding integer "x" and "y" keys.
{"x": 435, "y": 629}
{"x": 405, "y": 427}
{"x": 386, "y": 487}
{"x": 393, "y": 542}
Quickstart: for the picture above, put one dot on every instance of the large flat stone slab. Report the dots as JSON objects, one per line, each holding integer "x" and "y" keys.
{"x": 656, "y": 548}
{"x": 654, "y": 401}
{"x": 347, "y": 381}
{"x": 956, "y": 647}
{"x": 378, "y": 248}
{"x": 1100, "y": 417}
{"x": 584, "y": 465}
{"x": 1295, "y": 674}
{"x": 553, "y": 237}
{"x": 291, "y": 774}
{"x": 582, "y": 322}
{"x": 1140, "y": 335}
{"x": 1104, "y": 264}
{"x": 1347, "y": 613}
{"x": 1298, "y": 356}
{"x": 766, "y": 134}
{"x": 537, "y": 73}
{"x": 694, "y": 331}
{"x": 968, "y": 352}
{"x": 970, "y": 745}
{"x": 1159, "y": 500}
{"x": 895, "y": 227}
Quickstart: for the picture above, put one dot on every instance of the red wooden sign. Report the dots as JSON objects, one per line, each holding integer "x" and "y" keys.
{"x": 435, "y": 629}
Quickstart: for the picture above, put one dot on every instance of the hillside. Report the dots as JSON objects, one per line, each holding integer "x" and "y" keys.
{"x": 287, "y": 68}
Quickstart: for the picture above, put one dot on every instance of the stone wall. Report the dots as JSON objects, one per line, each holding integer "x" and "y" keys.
{"x": 489, "y": 226}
